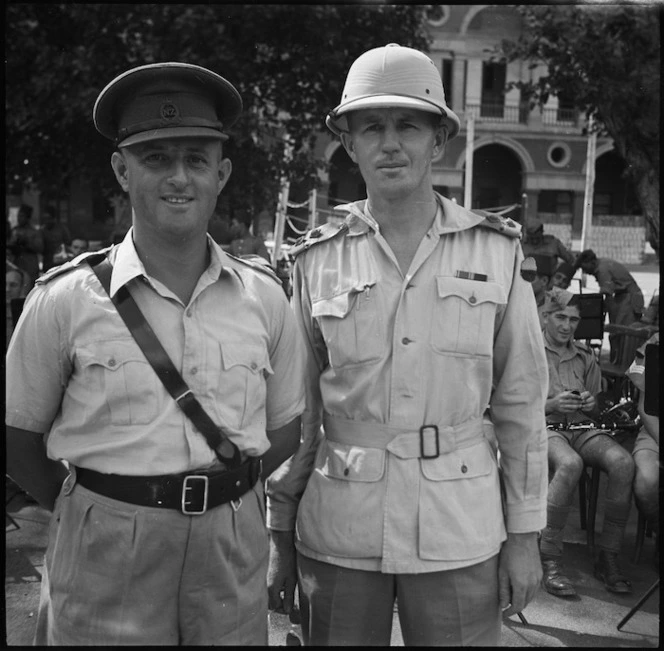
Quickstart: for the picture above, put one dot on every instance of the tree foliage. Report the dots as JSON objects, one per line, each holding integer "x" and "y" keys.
{"x": 289, "y": 63}
{"x": 606, "y": 59}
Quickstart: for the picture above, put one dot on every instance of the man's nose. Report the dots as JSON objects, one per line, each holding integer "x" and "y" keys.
{"x": 178, "y": 173}
{"x": 391, "y": 139}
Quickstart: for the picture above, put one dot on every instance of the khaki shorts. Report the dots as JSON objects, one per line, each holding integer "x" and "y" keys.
{"x": 645, "y": 442}
{"x": 119, "y": 574}
{"x": 576, "y": 438}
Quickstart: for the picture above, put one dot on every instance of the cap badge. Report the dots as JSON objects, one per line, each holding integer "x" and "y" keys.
{"x": 170, "y": 112}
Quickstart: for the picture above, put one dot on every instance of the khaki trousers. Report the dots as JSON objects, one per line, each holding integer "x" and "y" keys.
{"x": 344, "y": 607}
{"x": 118, "y": 574}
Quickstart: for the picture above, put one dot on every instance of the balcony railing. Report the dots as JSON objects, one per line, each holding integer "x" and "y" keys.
{"x": 499, "y": 112}
{"x": 553, "y": 116}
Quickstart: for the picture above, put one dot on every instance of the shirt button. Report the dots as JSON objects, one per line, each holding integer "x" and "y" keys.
{"x": 189, "y": 313}
{"x": 405, "y": 341}
{"x": 346, "y": 472}
{"x": 254, "y": 366}
{"x": 472, "y": 300}
{"x": 194, "y": 370}
{"x": 464, "y": 468}
{"x": 111, "y": 362}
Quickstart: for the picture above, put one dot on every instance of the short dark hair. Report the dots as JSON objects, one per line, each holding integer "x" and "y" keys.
{"x": 585, "y": 256}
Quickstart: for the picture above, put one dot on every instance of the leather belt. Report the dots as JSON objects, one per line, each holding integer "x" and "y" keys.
{"x": 192, "y": 493}
{"x": 425, "y": 442}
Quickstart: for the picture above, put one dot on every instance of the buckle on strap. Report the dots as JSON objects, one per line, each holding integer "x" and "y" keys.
{"x": 423, "y": 430}
{"x": 190, "y": 484}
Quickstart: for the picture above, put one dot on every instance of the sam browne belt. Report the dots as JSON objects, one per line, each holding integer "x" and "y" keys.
{"x": 192, "y": 493}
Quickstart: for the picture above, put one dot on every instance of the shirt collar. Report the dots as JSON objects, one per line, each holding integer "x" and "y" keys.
{"x": 568, "y": 352}
{"x": 127, "y": 265}
{"x": 450, "y": 217}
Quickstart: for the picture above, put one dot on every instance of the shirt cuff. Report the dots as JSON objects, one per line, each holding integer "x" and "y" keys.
{"x": 526, "y": 517}
{"x": 280, "y": 517}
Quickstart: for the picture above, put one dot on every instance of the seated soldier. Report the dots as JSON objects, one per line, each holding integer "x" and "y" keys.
{"x": 574, "y": 381}
{"x": 646, "y": 447}
{"x": 562, "y": 276}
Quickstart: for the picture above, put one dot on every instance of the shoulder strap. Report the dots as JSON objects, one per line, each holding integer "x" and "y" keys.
{"x": 318, "y": 235}
{"x": 158, "y": 358}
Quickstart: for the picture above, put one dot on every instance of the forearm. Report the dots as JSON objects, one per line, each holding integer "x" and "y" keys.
{"x": 30, "y": 468}
{"x": 283, "y": 445}
{"x": 284, "y": 488}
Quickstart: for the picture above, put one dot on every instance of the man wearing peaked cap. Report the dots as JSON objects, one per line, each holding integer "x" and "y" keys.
{"x": 159, "y": 483}
{"x": 414, "y": 312}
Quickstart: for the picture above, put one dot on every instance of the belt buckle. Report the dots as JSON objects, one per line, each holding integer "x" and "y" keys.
{"x": 186, "y": 486}
{"x": 422, "y": 431}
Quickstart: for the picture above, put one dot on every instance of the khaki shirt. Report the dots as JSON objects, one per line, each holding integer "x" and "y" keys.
{"x": 615, "y": 280}
{"x": 551, "y": 246}
{"x": 388, "y": 354}
{"x": 576, "y": 369}
{"x": 78, "y": 375}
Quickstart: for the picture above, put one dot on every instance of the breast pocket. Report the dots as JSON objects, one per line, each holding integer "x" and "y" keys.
{"x": 352, "y": 326}
{"x": 242, "y": 387}
{"x": 464, "y": 315}
{"x": 118, "y": 370}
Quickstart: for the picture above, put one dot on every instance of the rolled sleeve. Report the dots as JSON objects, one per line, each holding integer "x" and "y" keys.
{"x": 285, "y": 386}
{"x": 38, "y": 365}
{"x": 517, "y": 408}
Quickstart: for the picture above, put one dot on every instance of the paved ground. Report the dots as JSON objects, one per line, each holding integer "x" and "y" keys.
{"x": 587, "y": 621}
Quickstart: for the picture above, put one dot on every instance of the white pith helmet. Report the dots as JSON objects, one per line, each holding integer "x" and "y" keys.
{"x": 392, "y": 76}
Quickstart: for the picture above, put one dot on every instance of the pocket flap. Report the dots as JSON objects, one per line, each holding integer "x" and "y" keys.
{"x": 111, "y": 354}
{"x": 474, "y": 292}
{"x": 337, "y": 306}
{"x": 475, "y": 461}
{"x": 253, "y": 357}
{"x": 353, "y": 463}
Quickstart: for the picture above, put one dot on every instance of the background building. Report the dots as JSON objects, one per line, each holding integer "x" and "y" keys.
{"x": 533, "y": 160}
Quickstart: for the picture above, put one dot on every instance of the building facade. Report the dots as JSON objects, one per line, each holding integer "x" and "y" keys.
{"x": 532, "y": 160}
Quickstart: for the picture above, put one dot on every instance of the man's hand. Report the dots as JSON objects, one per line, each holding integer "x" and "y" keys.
{"x": 282, "y": 571}
{"x": 567, "y": 402}
{"x": 587, "y": 401}
{"x": 519, "y": 572}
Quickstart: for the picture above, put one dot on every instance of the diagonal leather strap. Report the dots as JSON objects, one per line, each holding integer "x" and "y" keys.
{"x": 158, "y": 358}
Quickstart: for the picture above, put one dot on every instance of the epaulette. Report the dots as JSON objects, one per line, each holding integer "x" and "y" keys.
{"x": 503, "y": 225}
{"x": 316, "y": 236}
{"x": 90, "y": 257}
{"x": 257, "y": 263}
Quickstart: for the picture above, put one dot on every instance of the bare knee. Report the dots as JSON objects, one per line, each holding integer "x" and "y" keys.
{"x": 568, "y": 471}
{"x": 620, "y": 466}
{"x": 646, "y": 482}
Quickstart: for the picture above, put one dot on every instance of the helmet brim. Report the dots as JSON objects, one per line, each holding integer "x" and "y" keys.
{"x": 337, "y": 123}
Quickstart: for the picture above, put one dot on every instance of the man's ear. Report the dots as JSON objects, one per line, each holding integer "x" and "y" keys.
{"x": 225, "y": 169}
{"x": 347, "y": 142}
{"x": 440, "y": 139}
{"x": 119, "y": 165}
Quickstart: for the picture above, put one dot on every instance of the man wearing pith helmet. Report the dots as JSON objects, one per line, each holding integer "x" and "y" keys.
{"x": 158, "y": 534}
{"x": 423, "y": 347}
